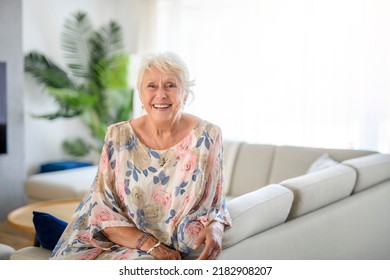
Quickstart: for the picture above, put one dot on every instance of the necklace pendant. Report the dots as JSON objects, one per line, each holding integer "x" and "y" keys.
{"x": 162, "y": 161}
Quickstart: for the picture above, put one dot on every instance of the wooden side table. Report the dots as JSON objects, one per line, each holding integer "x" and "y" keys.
{"x": 22, "y": 218}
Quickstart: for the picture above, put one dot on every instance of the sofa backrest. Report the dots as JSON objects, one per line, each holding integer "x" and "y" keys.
{"x": 251, "y": 166}
{"x": 251, "y": 169}
{"x": 290, "y": 161}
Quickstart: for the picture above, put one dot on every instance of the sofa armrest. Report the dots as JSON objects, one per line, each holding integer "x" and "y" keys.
{"x": 257, "y": 211}
{"x": 5, "y": 251}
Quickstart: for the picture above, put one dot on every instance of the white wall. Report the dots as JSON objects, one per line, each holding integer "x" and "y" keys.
{"x": 42, "y": 25}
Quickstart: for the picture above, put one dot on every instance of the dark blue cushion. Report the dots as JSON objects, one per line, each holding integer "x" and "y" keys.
{"x": 63, "y": 165}
{"x": 48, "y": 229}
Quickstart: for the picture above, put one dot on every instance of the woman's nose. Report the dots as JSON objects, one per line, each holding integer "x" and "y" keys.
{"x": 161, "y": 92}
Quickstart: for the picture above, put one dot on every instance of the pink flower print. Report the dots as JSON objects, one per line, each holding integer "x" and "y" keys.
{"x": 160, "y": 196}
{"x": 204, "y": 220}
{"x": 218, "y": 191}
{"x": 188, "y": 200}
{"x": 91, "y": 254}
{"x": 117, "y": 171}
{"x": 184, "y": 147}
{"x": 193, "y": 229}
{"x": 185, "y": 144}
{"x": 121, "y": 191}
{"x": 100, "y": 214}
{"x": 188, "y": 203}
{"x": 104, "y": 162}
{"x": 84, "y": 237}
{"x": 206, "y": 191}
{"x": 127, "y": 254}
{"x": 188, "y": 166}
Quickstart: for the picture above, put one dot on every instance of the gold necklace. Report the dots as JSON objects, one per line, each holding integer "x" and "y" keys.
{"x": 162, "y": 160}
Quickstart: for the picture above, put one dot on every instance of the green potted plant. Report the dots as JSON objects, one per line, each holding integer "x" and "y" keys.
{"x": 94, "y": 86}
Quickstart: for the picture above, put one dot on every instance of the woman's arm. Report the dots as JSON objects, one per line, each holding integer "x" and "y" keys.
{"x": 212, "y": 233}
{"x": 128, "y": 237}
{"x": 132, "y": 237}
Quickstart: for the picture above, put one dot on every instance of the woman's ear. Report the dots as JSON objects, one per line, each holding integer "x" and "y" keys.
{"x": 185, "y": 98}
{"x": 142, "y": 102}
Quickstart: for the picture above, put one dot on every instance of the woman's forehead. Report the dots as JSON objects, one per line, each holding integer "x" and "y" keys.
{"x": 155, "y": 73}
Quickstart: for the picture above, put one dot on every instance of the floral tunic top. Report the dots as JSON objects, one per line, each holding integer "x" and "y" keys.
{"x": 172, "y": 194}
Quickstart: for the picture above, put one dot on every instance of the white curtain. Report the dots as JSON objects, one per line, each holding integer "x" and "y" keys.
{"x": 287, "y": 72}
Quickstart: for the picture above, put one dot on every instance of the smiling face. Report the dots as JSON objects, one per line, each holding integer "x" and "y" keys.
{"x": 162, "y": 95}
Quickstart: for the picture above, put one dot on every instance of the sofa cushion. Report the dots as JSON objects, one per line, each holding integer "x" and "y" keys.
{"x": 318, "y": 189}
{"x": 257, "y": 211}
{"x": 72, "y": 183}
{"x": 48, "y": 229}
{"x": 371, "y": 170}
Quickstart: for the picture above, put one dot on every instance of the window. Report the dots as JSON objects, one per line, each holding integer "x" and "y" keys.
{"x": 310, "y": 73}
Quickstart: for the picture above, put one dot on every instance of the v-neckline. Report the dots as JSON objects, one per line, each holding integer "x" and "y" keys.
{"x": 173, "y": 146}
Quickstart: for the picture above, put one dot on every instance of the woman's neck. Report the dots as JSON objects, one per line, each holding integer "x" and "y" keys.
{"x": 164, "y": 134}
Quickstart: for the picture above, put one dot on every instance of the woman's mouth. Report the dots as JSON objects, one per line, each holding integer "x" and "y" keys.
{"x": 161, "y": 106}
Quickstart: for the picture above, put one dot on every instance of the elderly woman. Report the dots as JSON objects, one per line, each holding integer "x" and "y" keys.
{"x": 158, "y": 190}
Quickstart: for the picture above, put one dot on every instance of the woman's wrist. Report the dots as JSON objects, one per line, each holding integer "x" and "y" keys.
{"x": 153, "y": 247}
{"x": 149, "y": 243}
{"x": 218, "y": 225}
{"x": 141, "y": 240}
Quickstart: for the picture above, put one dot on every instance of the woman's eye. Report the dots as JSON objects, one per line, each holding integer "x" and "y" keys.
{"x": 171, "y": 85}
{"x": 151, "y": 86}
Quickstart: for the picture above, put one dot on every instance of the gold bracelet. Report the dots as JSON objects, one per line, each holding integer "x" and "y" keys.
{"x": 142, "y": 240}
{"x": 154, "y": 247}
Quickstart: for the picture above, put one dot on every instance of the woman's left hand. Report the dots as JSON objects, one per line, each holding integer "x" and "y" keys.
{"x": 211, "y": 236}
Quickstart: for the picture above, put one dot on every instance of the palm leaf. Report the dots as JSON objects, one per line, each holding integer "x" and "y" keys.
{"x": 96, "y": 126}
{"x": 46, "y": 71}
{"x": 123, "y": 104}
{"x": 77, "y": 147}
{"x": 74, "y": 99}
{"x": 71, "y": 103}
{"x": 112, "y": 72}
{"x": 96, "y": 87}
{"x": 106, "y": 42}
{"x": 53, "y": 116}
{"x": 75, "y": 43}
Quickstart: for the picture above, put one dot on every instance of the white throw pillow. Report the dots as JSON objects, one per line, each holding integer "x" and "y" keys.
{"x": 322, "y": 162}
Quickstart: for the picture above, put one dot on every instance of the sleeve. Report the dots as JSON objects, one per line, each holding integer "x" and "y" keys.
{"x": 103, "y": 206}
{"x": 211, "y": 205}
{"x": 213, "y": 200}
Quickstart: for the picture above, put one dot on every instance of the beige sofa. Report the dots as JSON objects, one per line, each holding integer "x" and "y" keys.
{"x": 286, "y": 202}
